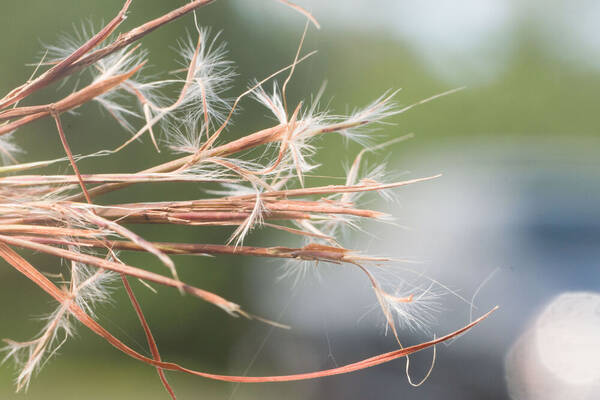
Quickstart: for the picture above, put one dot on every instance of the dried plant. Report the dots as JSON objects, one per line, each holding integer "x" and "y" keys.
{"x": 58, "y": 215}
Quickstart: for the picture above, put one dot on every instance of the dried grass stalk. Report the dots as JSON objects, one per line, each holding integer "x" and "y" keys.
{"x": 56, "y": 214}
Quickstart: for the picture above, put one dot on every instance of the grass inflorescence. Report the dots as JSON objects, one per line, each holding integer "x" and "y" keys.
{"x": 57, "y": 214}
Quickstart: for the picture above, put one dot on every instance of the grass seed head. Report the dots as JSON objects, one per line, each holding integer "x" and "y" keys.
{"x": 58, "y": 214}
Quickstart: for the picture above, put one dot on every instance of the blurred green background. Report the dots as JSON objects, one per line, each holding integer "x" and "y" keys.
{"x": 518, "y": 147}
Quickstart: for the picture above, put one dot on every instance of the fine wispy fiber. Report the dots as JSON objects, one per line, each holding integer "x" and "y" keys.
{"x": 59, "y": 214}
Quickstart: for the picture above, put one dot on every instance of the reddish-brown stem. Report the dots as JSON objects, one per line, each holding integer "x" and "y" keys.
{"x": 122, "y": 268}
{"x": 74, "y": 100}
{"x": 137, "y": 33}
{"x": 309, "y": 252}
{"x": 34, "y": 275}
{"x": 261, "y": 137}
{"x": 149, "y": 337}
{"x": 61, "y": 69}
{"x": 65, "y": 144}
{"x": 79, "y": 59}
